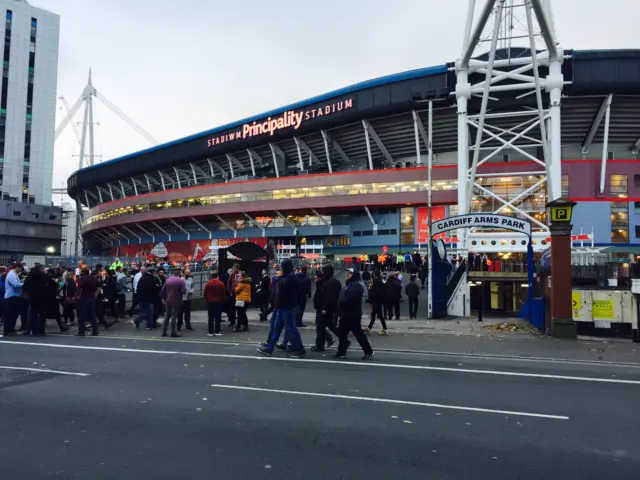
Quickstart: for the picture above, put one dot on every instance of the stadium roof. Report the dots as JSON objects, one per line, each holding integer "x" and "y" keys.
{"x": 396, "y": 77}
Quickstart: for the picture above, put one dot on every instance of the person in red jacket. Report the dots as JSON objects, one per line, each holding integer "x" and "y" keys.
{"x": 214, "y": 294}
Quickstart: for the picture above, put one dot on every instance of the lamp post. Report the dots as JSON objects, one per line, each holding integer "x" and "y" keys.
{"x": 559, "y": 213}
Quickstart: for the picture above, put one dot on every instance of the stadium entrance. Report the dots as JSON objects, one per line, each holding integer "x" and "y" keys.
{"x": 450, "y": 290}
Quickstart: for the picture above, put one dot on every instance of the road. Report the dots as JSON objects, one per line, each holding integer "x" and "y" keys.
{"x": 105, "y": 408}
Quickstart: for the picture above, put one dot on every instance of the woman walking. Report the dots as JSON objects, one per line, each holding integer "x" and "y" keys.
{"x": 242, "y": 301}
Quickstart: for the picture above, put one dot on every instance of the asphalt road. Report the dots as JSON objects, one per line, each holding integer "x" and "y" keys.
{"x": 159, "y": 409}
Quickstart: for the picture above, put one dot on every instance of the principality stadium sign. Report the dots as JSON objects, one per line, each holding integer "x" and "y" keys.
{"x": 289, "y": 119}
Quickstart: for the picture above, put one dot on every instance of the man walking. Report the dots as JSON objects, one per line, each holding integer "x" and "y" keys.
{"x": 147, "y": 294}
{"x": 304, "y": 292}
{"x": 13, "y": 299}
{"x": 172, "y": 292}
{"x": 214, "y": 294}
{"x": 412, "y": 290}
{"x": 87, "y": 291}
{"x": 185, "y": 313}
{"x": 350, "y": 310}
{"x": 286, "y": 302}
{"x": 327, "y": 309}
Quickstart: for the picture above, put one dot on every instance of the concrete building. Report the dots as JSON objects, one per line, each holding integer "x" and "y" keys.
{"x": 28, "y": 101}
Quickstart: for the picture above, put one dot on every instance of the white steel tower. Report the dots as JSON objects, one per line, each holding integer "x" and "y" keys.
{"x": 510, "y": 51}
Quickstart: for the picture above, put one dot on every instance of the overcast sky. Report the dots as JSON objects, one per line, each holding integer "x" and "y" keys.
{"x": 181, "y": 67}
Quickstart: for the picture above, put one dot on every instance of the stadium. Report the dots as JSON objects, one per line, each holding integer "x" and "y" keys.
{"x": 346, "y": 172}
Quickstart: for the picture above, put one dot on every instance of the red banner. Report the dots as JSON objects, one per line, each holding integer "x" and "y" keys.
{"x": 190, "y": 250}
{"x": 437, "y": 213}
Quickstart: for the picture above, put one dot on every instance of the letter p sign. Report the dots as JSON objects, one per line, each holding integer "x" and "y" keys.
{"x": 560, "y": 214}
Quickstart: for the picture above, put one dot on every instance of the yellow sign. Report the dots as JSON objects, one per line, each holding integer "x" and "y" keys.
{"x": 561, "y": 214}
{"x": 603, "y": 310}
{"x": 576, "y": 303}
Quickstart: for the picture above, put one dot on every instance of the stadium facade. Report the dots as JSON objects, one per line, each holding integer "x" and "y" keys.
{"x": 346, "y": 171}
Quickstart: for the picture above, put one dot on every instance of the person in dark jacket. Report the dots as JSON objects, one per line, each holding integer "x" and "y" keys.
{"x": 286, "y": 303}
{"x": 147, "y": 299}
{"x": 68, "y": 294}
{"x": 350, "y": 312}
{"x": 393, "y": 295}
{"x": 412, "y": 290}
{"x": 42, "y": 292}
{"x": 323, "y": 321}
{"x": 376, "y": 299}
{"x": 263, "y": 292}
{"x": 111, "y": 292}
{"x": 304, "y": 292}
{"x": 331, "y": 288}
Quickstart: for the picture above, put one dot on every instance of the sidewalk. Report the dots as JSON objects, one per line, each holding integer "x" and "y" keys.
{"x": 463, "y": 336}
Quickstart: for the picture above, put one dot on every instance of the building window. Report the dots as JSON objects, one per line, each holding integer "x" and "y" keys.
{"x": 619, "y": 222}
{"x": 5, "y": 85}
{"x": 637, "y": 231}
{"x": 618, "y": 184}
{"x": 636, "y": 181}
{"x": 565, "y": 186}
{"x": 407, "y": 226}
{"x": 17, "y": 213}
{"x": 29, "y": 110}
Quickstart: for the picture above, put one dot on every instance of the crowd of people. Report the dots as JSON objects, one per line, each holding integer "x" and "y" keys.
{"x": 36, "y": 294}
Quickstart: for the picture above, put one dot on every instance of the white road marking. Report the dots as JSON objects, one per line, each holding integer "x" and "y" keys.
{"x": 331, "y": 362}
{"x": 396, "y": 402}
{"x": 421, "y": 353}
{"x": 41, "y": 370}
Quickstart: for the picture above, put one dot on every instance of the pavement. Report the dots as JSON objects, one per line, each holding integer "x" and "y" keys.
{"x": 131, "y": 405}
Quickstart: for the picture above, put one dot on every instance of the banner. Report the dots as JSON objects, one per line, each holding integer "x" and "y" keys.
{"x": 184, "y": 251}
{"x": 437, "y": 214}
{"x": 482, "y": 220}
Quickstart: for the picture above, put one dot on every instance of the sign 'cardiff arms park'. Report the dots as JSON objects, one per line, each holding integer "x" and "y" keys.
{"x": 481, "y": 220}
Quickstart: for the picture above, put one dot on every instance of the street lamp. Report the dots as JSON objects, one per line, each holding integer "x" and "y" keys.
{"x": 559, "y": 214}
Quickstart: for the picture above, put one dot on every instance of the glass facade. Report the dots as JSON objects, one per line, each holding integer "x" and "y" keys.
{"x": 407, "y": 226}
{"x": 619, "y": 222}
{"x": 283, "y": 194}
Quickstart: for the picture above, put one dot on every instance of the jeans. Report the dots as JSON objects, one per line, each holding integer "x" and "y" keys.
{"x": 171, "y": 316}
{"x": 185, "y": 314}
{"x": 377, "y": 312}
{"x": 122, "y": 301}
{"x": 302, "y": 304}
{"x": 323, "y": 322}
{"x": 11, "y": 309}
{"x": 243, "y": 321}
{"x": 413, "y": 307}
{"x": 352, "y": 324}
{"x": 286, "y": 318}
{"x": 86, "y": 311}
{"x": 37, "y": 319}
{"x": 215, "y": 317}
{"x": 146, "y": 312}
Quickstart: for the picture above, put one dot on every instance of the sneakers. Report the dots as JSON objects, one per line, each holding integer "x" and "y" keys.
{"x": 219, "y": 334}
{"x": 368, "y": 357}
{"x": 297, "y": 354}
{"x": 281, "y": 346}
{"x": 264, "y": 351}
{"x": 209, "y": 334}
{"x": 383, "y": 332}
{"x": 316, "y": 349}
{"x": 340, "y": 356}
{"x": 366, "y": 329}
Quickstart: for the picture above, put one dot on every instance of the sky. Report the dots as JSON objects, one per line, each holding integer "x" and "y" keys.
{"x": 178, "y": 68}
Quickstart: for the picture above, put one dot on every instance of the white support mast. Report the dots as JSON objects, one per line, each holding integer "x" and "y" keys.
{"x": 87, "y": 135}
{"x": 504, "y": 51}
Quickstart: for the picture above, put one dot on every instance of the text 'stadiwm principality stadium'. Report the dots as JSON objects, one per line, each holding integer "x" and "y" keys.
{"x": 346, "y": 170}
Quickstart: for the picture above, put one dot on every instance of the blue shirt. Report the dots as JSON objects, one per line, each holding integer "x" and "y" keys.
{"x": 12, "y": 285}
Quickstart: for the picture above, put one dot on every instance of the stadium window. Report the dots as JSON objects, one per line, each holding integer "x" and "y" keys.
{"x": 383, "y": 232}
{"x": 636, "y": 181}
{"x": 357, "y": 233}
{"x": 618, "y": 184}
{"x": 505, "y": 157}
{"x": 17, "y": 213}
{"x": 637, "y": 231}
{"x": 636, "y": 206}
{"x": 367, "y": 233}
{"x": 619, "y": 222}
